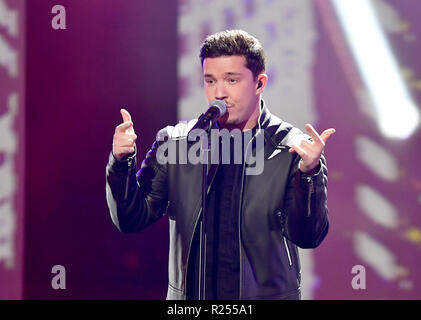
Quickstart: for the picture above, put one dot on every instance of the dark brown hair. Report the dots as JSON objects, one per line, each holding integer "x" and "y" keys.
{"x": 235, "y": 42}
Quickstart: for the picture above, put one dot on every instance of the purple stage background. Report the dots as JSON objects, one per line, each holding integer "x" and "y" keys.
{"x": 123, "y": 53}
{"x": 113, "y": 54}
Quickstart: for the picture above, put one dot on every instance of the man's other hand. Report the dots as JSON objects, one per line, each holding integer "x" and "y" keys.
{"x": 124, "y": 137}
{"x": 311, "y": 151}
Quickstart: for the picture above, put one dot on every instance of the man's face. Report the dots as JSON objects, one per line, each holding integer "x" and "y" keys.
{"x": 227, "y": 78}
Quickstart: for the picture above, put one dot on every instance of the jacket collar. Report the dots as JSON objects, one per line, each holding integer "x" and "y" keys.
{"x": 265, "y": 115}
{"x": 274, "y": 128}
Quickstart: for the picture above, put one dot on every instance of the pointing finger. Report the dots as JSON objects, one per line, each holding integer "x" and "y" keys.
{"x": 126, "y": 115}
{"x": 327, "y": 133}
{"x": 313, "y": 133}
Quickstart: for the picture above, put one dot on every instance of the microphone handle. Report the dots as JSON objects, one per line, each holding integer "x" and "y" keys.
{"x": 205, "y": 118}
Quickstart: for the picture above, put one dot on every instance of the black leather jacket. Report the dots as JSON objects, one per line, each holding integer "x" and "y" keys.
{"x": 280, "y": 209}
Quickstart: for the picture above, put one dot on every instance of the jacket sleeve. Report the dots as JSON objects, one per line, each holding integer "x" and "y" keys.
{"x": 305, "y": 213}
{"x": 136, "y": 200}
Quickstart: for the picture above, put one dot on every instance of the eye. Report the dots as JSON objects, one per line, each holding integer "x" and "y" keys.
{"x": 232, "y": 80}
{"x": 209, "y": 81}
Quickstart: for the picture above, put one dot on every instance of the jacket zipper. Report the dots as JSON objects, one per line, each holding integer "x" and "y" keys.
{"x": 287, "y": 250}
{"x": 239, "y": 225}
{"x": 310, "y": 192}
{"x": 126, "y": 192}
{"x": 240, "y": 210}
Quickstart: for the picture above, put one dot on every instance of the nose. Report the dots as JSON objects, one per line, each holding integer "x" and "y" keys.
{"x": 220, "y": 91}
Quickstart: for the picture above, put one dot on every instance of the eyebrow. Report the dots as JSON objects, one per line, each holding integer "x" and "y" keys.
{"x": 207, "y": 75}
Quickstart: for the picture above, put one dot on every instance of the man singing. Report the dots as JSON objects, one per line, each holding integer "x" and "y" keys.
{"x": 254, "y": 221}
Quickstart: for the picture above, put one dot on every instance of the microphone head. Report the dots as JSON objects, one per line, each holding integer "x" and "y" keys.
{"x": 220, "y": 105}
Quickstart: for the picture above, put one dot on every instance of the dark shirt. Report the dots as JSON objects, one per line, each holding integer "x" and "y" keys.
{"x": 222, "y": 257}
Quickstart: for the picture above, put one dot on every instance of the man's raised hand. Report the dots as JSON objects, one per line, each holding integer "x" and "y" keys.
{"x": 124, "y": 137}
{"x": 311, "y": 151}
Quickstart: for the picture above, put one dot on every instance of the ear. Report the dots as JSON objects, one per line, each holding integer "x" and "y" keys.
{"x": 261, "y": 81}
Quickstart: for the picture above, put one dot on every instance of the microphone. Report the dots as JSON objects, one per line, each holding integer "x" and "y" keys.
{"x": 217, "y": 109}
